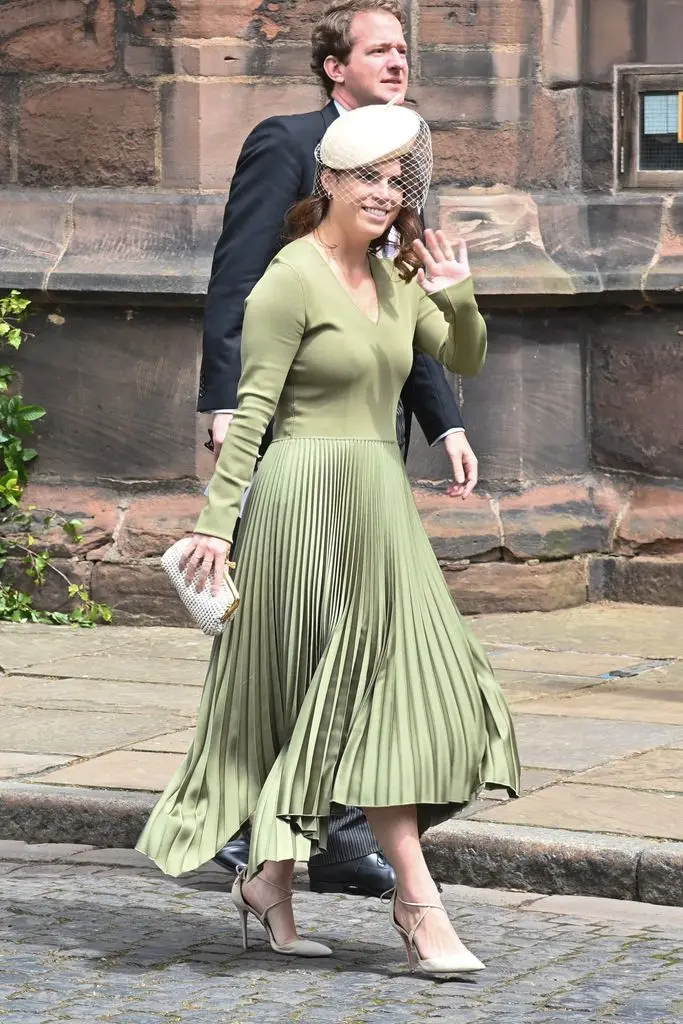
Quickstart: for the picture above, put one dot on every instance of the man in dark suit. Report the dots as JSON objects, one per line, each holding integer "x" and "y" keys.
{"x": 360, "y": 55}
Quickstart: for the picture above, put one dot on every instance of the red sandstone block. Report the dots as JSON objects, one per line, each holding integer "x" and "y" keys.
{"x": 641, "y": 580}
{"x": 552, "y": 146}
{"x": 477, "y": 156}
{"x": 610, "y": 38}
{"x": 53, "y": 594}
{"x": 654, "y": 516}
{"x": 504, "y": 587}
{"x": 95, "y": 508}
{"x": 542, "y": 151}
{"x": 7, "y": 102}
{"x": 478, "y": 22}
{"x": 204, "y": 125}
{"x": 61, "y": 35}
{"x": 139, "y": 594}
{"x": 87, "y": 134}
{"x": 214, "y": 19}
{"x": 561, "y": 520}
{"x": 153, "y": 522}
{"x": 458, "y": 529}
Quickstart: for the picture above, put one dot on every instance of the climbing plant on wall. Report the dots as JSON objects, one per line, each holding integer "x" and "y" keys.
{"x": 20, "y": 552}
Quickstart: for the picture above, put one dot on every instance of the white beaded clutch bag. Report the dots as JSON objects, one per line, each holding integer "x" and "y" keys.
{"x": 211, "y": 613}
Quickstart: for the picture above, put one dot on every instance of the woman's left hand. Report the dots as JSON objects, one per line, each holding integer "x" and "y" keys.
{"x": 440, "y": 267}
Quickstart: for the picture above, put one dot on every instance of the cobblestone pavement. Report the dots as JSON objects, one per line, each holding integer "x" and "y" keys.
{"x": 97, "y": 943}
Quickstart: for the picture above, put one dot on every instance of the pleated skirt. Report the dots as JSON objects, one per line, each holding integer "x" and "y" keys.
{"x": 347, "y": 676}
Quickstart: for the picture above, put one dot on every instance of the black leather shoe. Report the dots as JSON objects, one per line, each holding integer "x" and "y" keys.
{"x": 366, "y": 876}
{"x": 235, "y": 855}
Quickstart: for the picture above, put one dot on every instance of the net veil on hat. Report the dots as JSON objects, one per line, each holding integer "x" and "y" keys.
{"x": 360, "y": 139}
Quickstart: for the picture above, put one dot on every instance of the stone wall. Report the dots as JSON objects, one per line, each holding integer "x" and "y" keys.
{"x": 160, "y": 93}
{"x": 120, "y": 123}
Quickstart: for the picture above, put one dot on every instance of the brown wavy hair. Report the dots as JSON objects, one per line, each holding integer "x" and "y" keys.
{"x": 308, "y": 214}
{"x": 332, "y": 33}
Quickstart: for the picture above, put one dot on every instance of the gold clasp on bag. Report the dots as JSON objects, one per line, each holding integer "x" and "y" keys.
{"x": 229, "y": 612}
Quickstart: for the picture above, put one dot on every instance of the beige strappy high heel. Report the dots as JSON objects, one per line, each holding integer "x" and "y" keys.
{"x": 455, "y": 963}
{"x": 298, "y": 947}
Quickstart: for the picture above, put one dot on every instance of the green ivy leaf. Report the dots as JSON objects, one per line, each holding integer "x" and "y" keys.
{"x": 31, "y": 412}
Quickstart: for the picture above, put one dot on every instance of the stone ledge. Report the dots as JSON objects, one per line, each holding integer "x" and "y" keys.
{"x": 469, "y": 853}
{"x": 154, "y": 243}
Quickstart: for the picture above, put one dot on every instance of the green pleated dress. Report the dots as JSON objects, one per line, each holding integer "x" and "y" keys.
{"x": 347, "y": 676}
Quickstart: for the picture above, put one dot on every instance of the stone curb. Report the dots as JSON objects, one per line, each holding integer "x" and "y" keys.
{"x": 470, "y": 853}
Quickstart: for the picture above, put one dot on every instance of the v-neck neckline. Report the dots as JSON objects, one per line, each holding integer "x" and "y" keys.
{"x": 373, "y": 323}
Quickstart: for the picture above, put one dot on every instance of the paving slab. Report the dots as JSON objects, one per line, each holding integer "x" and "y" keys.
{"x": 15, "y": 850}
{"x": 22, "y": 644}
{"x": 551, "y": 741}
{"x": 572, "y": 663}
{"x": 175, "y": 644}
{"x": 13, "y": 764}
{"x": 519, "y": 686}
{"x": 532, "y": 779}
{"x": 638, "y": 631}
{"x": 660, "y": 769}
{"x": 669, "y": 677}
{"x": 172, "y": 743}
{"x": 112, "y": 664}
{"x": 597, "y": 908}
{"x": 121, "y": 769}
{"x": 95, "y": 695}
{"x": 79, "y": 733}
{"x": 592, "y": 809}
{"x": 635, "y": 704}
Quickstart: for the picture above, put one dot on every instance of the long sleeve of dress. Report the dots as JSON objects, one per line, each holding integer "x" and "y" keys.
{"x": 460, "y": 343}
{"x": 274, "y": 322}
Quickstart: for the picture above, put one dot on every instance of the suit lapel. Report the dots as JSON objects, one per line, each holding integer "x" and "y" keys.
{"x": 329, "y": 113}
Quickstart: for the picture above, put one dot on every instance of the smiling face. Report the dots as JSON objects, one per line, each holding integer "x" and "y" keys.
{"x": 367, "y": 200}
{"x": 376, "y": 69}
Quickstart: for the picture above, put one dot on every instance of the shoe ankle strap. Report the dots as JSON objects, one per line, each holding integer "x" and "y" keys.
{"x": 424, "y": 907}
{"x": 421, "y": 906}
{"x": 286, "y": 893}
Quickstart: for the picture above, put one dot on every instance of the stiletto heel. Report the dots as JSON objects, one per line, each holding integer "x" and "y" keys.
{"x": 243, "y": 922}
{"x": 454, "y": 963}
{"x": 298, "y": 947}
{"x": 409, "y": 951}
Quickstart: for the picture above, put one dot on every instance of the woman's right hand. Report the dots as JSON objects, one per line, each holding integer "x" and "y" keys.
{"x": 209, "y": 555}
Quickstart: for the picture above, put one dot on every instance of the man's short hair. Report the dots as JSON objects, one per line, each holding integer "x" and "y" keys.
{"x": 332, "y": 33}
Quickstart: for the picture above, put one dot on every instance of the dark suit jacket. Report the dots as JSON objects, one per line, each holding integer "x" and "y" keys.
{"x": 275, "y": 169}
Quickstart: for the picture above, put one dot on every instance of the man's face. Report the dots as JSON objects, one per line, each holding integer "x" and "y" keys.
{"x": 377, "y": 67}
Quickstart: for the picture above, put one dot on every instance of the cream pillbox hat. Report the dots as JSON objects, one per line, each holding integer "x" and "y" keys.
{"x": 370, "y": 135}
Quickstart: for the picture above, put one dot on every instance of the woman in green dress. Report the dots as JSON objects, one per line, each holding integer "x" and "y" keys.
{"x": 347, "y": 677}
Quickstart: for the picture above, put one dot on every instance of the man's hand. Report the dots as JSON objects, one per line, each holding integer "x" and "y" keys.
{"x": 464, "y": 463}
{"x": 220, "y": 426}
